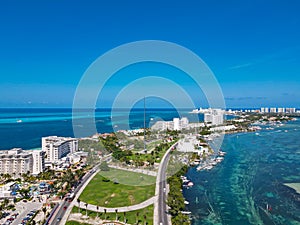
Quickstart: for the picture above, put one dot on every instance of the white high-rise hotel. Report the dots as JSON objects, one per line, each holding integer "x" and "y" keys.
{"x": 58, "y": 147}
{"x": 214, "y": 116}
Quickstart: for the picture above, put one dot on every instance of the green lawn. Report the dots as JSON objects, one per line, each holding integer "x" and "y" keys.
{"x": 110, "y": 194}
{"x": 128, "y": 178}
{"x": 75, "y": 223}
{"x": 131, "y": 217}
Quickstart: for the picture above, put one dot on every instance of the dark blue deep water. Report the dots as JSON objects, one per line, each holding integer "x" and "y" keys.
{"x": 251, "y": 177}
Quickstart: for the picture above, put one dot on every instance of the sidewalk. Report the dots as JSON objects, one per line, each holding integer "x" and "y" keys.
{"x": 142, "y": 205}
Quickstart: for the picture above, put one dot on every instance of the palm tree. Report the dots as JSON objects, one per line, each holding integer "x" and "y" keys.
{"x": 116, "y": 210}
{"x": 97, "y": 207}
{"x": 5, "y": 202}
{"x": 137, "y": 217}
{"x": 44, "y": 209}
{"x": 78, "y": 200}
{"x": 86, "y": 205}
{"x": 104, "y": 214}
{"x": 125, "y": 217}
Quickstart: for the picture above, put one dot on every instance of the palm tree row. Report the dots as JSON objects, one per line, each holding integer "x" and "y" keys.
{"x": 116, "y": 211}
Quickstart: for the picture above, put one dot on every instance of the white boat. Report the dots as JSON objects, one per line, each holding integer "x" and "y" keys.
{"x": 209, "y": 167}
{"x": 186, "y": 212}
{"x": 19, "y": 121}
{"x": 219, "y": 159}
{"x": 190, "y": 184}
{"x": 186, "y": 202}
{"x": 221, "y": 153}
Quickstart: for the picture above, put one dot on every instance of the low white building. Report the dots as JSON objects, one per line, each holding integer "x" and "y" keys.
{"x": 6, "y": 190}
{"x": 223, "y": 128}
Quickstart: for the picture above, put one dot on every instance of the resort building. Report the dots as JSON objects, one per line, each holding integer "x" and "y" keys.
{"x": 58, "y": 147}
{"x": 214, "y": 117}
{"x": 176, "y": 124}
{"x": 17, "y": 162}
{"x": 38, "y": 161}
{"x": 290, "y": 110}
{"x": 281, "y": 110}
{"x": 264, "y": 110}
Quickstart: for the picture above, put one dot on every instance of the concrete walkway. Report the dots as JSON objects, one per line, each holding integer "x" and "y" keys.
{"x": 94, "y": 221}
{"x": 142, "y": 205}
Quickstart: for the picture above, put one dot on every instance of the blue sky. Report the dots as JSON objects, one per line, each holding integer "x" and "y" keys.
{"x": 252, "y": 47}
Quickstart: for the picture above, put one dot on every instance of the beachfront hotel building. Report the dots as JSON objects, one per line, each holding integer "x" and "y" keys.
{"x": 38, "y": 161}
{"x": 18, "y": 161}
{"x": 58, "y": 147}
{"x": 214, "y": 117}
{"x": 176, "y": 124}
{"x": 278, "y": 110}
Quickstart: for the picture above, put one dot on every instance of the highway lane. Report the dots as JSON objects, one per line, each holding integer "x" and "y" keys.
{"x": 162, "y": 197}
{"x": 65, "y": 203}
{"x": 161, "y": 206}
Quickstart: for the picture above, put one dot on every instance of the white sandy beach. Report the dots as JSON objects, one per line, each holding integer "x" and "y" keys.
{"x": 295, "y": 186}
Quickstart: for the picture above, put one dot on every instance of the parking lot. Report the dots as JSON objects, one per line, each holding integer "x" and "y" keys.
{"x": 23, "y": 213}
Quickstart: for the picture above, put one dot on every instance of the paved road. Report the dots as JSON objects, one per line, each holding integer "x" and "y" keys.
{"x": 65, "y": 204}
{"x": 160, "y": 207}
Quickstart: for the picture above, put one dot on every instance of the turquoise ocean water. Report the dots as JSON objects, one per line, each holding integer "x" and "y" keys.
{"x": 25, "y": 127}
{"x": 251, "y": 179}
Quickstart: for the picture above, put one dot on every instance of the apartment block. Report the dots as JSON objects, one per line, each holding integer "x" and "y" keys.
{"x": 18, "y": 161}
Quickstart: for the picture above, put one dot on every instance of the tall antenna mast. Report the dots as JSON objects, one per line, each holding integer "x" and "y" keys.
{"x": 145, "y": 124}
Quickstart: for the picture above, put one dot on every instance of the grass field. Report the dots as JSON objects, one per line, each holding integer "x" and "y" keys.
{"x": 141, "y": 216}
{"x": 112, "y": 194}
{"x": 75, "y": 223}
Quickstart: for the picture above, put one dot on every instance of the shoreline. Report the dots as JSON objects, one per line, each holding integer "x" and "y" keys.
{"x": 295, "y": 186}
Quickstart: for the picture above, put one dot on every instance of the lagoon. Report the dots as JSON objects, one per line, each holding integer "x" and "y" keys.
{"x": 251, "y": 178}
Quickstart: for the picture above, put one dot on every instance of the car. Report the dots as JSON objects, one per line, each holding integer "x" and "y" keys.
{"x": 65, "y": 207}
{"x": 58, "y": 219}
